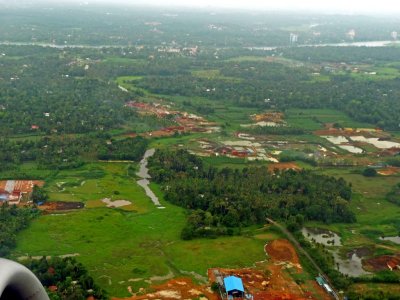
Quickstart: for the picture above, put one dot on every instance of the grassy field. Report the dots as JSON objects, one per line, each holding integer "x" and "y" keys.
{"x": 313, "y": 119}
{"x": 214, "y": 74}
{"x": 375, "y": 215}
{"x": 117, "y": 244}
{"x": 376, "y": 73}
{"x": 127, "y": 82}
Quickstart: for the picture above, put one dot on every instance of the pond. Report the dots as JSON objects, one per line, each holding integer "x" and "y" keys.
{"x": 322, "y": 236}
{"x": 144, "y": 175}
{"x": 350, "y": 265}
{"x": 394, "y": 239}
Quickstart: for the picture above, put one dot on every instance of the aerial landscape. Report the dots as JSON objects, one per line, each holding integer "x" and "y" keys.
{"x": 155, "y": 152}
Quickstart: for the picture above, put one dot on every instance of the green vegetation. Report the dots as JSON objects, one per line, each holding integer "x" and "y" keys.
{"x": 12, "y": 221}
{"x": 39, "y": 195}
{"x": 62, "y": 109}
{"x": 141, "y": 245}
{"x": 70, "y": 277}
{"x": 369, "y": 172}
{"x": 221, "y": 200}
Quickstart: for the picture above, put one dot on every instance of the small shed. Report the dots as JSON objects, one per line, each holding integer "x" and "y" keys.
{"x": 234, "y": 287}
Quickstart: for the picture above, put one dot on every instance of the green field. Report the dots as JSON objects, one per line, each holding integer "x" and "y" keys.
{"x": 313, "y": 119}
{"x": 118, "y": 244}
{"x": 375, "y": 215}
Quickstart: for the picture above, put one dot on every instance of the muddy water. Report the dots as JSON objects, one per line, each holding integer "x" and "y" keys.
{"x": 144, "y": 174}
{"x": 394, "y": 239}
{"x": 352, "y": 264}
{"x": 321, "y": 236}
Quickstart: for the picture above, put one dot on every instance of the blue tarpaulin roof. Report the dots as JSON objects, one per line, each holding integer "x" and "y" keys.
{"x": 233, "y": 283}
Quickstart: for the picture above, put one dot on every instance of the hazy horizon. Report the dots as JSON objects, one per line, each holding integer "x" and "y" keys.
{"x": 338, "y": 6}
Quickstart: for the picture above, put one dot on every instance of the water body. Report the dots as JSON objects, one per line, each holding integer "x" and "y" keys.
{"x": 353, "y": 44}
{"x": 265, "y": 48}
{"x": 322, "y": 236}
{"x": 144, "y": 174}
{"x": 394, "y": 239}
{"x": 48, "y": 45}
{"x": 352, "y": 264}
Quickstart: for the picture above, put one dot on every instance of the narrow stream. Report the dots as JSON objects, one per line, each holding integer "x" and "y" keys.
{"x": 144, "y": 174}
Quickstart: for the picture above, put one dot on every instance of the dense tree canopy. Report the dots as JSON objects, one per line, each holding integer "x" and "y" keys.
{"x": 13, "y": 220}
{"x": 70, "y": 278}
{"x": 230, "y": 198}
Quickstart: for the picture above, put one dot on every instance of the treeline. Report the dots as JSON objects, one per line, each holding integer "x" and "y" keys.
{"x": 342, "y": 54}
{"x": 221, "y": 200}
{"x": 394, "y": 194}
{"x": 65, "y": 152}
{"x": 41, "y": 94}
{"x": 324, "y": 260}
{"x": 266, "y": 86}
{"x": 13, "y": 220}
{"x": 65, "y": 279}
{"x": 275, "y": 130}
{"x": 127, "y": 149}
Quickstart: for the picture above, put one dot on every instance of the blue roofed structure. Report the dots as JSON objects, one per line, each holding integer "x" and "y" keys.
{"x": 234, "y": 286}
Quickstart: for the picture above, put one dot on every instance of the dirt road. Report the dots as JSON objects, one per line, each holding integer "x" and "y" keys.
{"x": 290, "y": 237}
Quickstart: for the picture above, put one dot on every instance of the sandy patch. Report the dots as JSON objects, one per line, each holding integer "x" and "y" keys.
{"x": 116, "y": 203}
{"x": 169, "y": 294}
{"x": 337, "y": 140}
{"x": 376, "y": 142}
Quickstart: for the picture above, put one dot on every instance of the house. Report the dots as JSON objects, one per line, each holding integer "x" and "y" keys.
{"x": 233, "y": 287}
{"x": 12, "y": 191}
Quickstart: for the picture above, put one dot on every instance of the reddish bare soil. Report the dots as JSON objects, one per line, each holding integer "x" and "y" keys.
{"x": 282, "y": 250}
{"x": 381, "y": 263}
{"x": 389, "y": 171}
{"x": 276, "y": 117}
{"x": 180, "y": 288}
{"x": 23, "y": 186}
{"x": 269, "y": 279}
{"x": 352, "y": 132}
{"x": 60, "y": 205}
{"x": 283, "y": 166}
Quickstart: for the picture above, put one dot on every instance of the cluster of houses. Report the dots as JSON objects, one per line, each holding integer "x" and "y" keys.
{"x": 12, "y": 191}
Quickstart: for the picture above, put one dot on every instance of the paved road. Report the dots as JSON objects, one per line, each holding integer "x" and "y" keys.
{"x": 291, "y": 238}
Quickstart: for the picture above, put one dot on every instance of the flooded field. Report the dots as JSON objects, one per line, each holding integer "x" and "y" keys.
{"x": 394, "y": 239}
{"x": 321, "y": 236}
{"x": 351, "y": 265}
{"x": 351, "y": 149}
{"x": 144, "y": 174}
{"x": 376, "y": 142}
{"x": 337, "y": 140}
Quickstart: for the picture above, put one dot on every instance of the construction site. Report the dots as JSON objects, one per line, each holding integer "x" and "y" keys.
{"x": 185, "y": 122}
{"x": 14, "y": 191}
{"x": 273, "y": 278}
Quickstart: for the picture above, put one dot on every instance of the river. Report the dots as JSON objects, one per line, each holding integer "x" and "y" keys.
{"x": 265, "y": 48}
{"x": 144, "y": 174}
{"x": 369, "y": 44}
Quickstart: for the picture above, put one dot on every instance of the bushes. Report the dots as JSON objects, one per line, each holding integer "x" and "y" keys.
{"x": 13, "y": 220}
{"x": 369, "y": 172}
{"x": 228, "y": 198}
{"x": 69, "y": 276}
